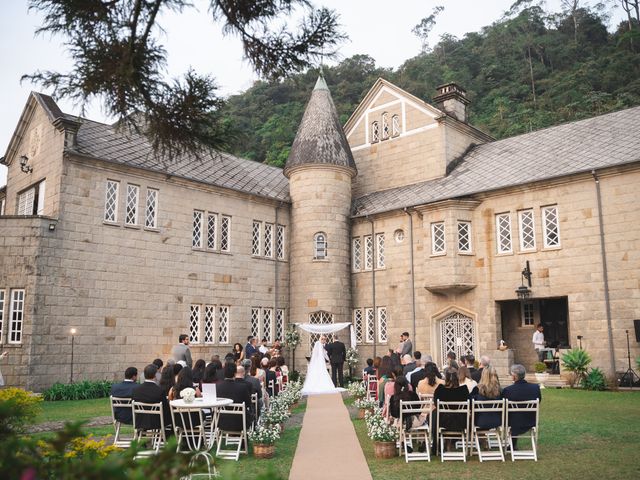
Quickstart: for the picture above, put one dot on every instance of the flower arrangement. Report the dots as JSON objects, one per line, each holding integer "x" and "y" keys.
{"x": 357, "y": 390}
{"x": 352, "y": 357}
{"x": 276, "y": 414}
{"x": 365, "y": 404}
{"x": 265, "y": 434}
{"x": 378, "y": 429}
{"x": 292, "y": 338}
{"x": 188, "y": 395}
{"x": 87, "y": 446}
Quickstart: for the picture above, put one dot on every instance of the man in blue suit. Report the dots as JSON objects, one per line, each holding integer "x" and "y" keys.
{"x": 521, "y": 391}
{"x": 125, "y": 389}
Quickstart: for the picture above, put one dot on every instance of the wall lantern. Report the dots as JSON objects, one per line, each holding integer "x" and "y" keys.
{"x": 23, "y": 164}
{"x": 523, "y": 292}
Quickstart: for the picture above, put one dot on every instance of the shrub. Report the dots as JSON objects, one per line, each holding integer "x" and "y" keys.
{"x": 294, "y": 376}
{"x": 17, "y": 408}
{"x": 594, "y": 380}
{"x": 540, "y": 367}
{"x": 378, "y": 429}
{"x": 77, "y": 391}
{"x": 576, "y": 361}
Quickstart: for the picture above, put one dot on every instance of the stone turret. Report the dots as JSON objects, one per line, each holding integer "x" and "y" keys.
{"x": 320, "y": 168}
{"x": 452, "y": 99}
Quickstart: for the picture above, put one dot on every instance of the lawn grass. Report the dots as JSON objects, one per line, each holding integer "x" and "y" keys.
{"x": 583, "y": 435}
{"x": 74, "y": 410}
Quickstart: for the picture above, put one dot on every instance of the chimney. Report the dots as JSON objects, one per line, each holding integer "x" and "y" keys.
{"x": 452, "y": 99}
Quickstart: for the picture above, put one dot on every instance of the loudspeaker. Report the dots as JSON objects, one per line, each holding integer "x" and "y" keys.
{"x": 636, "y": 325}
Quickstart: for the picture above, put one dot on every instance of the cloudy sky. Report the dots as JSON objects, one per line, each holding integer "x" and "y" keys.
{"x": 381, "y": 29}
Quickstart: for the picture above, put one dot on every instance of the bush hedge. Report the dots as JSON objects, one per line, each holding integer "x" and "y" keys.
{"x": 78, "y": 391}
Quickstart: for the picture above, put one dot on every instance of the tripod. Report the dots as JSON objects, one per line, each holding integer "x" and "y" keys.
{"x": 630, "y": 375}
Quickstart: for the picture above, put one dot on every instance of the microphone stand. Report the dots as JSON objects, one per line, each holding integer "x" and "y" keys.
{"x": 630, "y": 374}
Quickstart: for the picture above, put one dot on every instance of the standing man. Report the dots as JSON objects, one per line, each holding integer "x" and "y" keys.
{"x": 538, "y": 342}
{"x": 182, "y": 351}
{"x": 250, "y": 349}
{"x": 337, "y": 356}
{"x": 405, "y": 347}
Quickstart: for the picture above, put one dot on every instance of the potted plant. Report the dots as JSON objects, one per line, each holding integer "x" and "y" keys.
{"x": 357, "y": 390}
{"x": 384, "y": 436}
{"x": 541, "y": 373}
{"x": 292, "y": 341}
{"x": 577, "y": 362}
{"x": 364, "y": 405}
{"x": 352, "y": 360}
{"x": 276, "y": 415}
{"x": 263, "y": 439}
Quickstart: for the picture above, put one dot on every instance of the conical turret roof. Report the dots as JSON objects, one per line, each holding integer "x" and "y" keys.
{"x": 320, "y": 139}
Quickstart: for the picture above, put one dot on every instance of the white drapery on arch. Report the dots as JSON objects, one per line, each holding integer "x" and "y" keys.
{"x": 327, "y": 328}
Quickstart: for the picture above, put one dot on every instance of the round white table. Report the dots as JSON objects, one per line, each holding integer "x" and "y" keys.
{"x": 202, "y": 403}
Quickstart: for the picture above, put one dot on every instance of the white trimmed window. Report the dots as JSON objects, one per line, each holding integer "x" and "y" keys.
{"x": 212, "y": 226}
{"x": 267, "y": 324}
{"x": 209, "y": 323}
{"x": 382, "y": 324}
{"x": 375, "y": 132}
{"x": 551, "y": 226}
{"x": 280, "y": 242}
{"x": 356, "y": 253}
{"x": 255, "y": 322}
{"x": 31, "y": 201}
{"x": 224, "y": 315}
{"x": 268, "y": 240}
{"x": 368, "y": 252}
{"x": 464, "y": 237}
{"x": 16, "y": 316}
{"x": 395, "y": 125}
{"x": 196, "y": 241}
{"x": 528, "y": 314}
{"x": 370, "y": 324}
{"x": 151, "y": 210}
{"x": 320, "y": 246}
{"x": 357, "y": 324}
{"x": 131, "y": 215}
{"x": 255, "y": 238}
{"x": 385, "y": 126}
{"x": 438, "y": 242}
{"x": 111, "y": 201}
{"x": 503, "y": 232}
{"x": 2, "y": 301}
{"x": 194, "y": 324}
{"x": 380, "y": 250}
{"x": 527, "y": 230}
{"x": 279, "y": 324}
{"x": 225, "y": 234}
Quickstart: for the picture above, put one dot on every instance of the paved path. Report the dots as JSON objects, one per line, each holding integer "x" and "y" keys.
{"x": 328, "y": 446}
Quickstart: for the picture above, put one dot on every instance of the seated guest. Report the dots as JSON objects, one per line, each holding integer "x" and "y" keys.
{"x": 176, "y": 369}
{"x": 276, "y": 349}
{"x": 158, "y": 363}
{"x": 428, "y": 385}
{"x": 389, "y": 389}
{"x": 451, "y": 391}
{"x": 185, "y": 380}
{"x": 240, "y": 377}
{"x": 238, "y": 392}
{"x": 271, "y": 377}
{"x": 369, "y": 369}
{"x": 198, "y": 371}
{"x": 520, "y": 391}
{"x": 484, "y": 362}
{"x": 450, "y": 361}
{"x": 211, "y": 372}
{"x": 464, "y": 378}
{"x": 150, "y": 392}
{"x": 470, "y": 363}
{"x": 384, "y": 375}
{"x": 124, "y": 389}
{"x": 263, "y": 348}
{"x": 402, "y": 392}
{"x": 409, "y": 364}
{"x": 488, "y": 389}
{"x": 256, "y": 371}
{"x": 377, "y": 361}
{"x": 238, "y": 352}
{"x": 417, "y": 356}
{"x": 167, "y": 380}
{"x": 256, "y": 387}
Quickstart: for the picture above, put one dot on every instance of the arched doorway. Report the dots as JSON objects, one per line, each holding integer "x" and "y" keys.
{"x": 319, "y": 318}
{"x": 457, "y": 334}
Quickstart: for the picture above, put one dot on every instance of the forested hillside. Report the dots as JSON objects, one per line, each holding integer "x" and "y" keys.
{"x": 529, "y": 70}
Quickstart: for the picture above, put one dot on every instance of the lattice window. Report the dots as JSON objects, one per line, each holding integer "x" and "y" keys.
{"x": 457, "y": 334}
{"x": 25, "y": 202}
{"x": 267, "y": 324}
{"x": 225, "y": 234}
{"x": 395, "y": 125}
{"x": 223, "y": 323}
{"x": 197, "y": 229}
{"x": 280, "y": 242}
{"x": 370, "y": 324}
{"x": 503, "y": 232}
{"x": 527, "y": 230}
{"x": 279, "y": 324}
{"x": 320, "y": 246}
{"x": 438, "y": 242}
{"x": 255, "y": 238}
{"x": 382, "y": 324}
{"x": 16, "y": 316}
{"x": 133, "y": 193}
{"x": 528, "y": 313}
{"x": 357, "y": 324}
{"x": 322, "y": 318}
{"x": 356, "y": 253}
{"x": 368, "y": 252}
{"x": 268, "y": 240}
{"x": 2, "y": 302}
{"x": 255, "y": 322}
{"x": 464, "y": 237}
{"x": 212, "y": 229}
{"x": 209, "y": 323}
{"x": 380, "y": 250}
{"x": 194, "y": 324}
{"x": 151, "y": 210}
{"x": 111, "y": 201}
{"x": 551, "y": 226}
{"x": 375, "y": 132}
{"x": 385, "y": 126}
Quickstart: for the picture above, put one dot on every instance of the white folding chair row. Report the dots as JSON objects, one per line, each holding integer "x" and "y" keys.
{"x": 493, "y": 436}
{"x": 157, "y": 436}
{"x": 530, "y": 408}
{"x": 237, "y": 439}
{"x": 453, "y": 410}
{"x": 418, "y": 434}
{"x": 120, "y": 403}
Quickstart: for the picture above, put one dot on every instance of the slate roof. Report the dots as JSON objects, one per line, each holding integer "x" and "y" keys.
{"x": 105, "y": 142}
{"x": 604, "y": 141}
{"x": 320, "y": 138}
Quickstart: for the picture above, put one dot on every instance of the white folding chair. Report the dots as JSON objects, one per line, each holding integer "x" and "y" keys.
{"x": 494, "y": 435}
{"x": 418, "y": 434}
{"x": 372, "y": 387}
{"x": 120, "y": 403}
{"x": 451, "y": 409}
{"x": 271, "y": 388}
{"x": 189, "y": 425}
{"x": 530, "y": 408}
{"x": 158, "y": 435}
{"x": 254, "y": 409}
{"x": 237, "y": 439}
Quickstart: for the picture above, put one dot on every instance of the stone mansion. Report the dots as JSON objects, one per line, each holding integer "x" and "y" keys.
{"x": 406, "y": 218}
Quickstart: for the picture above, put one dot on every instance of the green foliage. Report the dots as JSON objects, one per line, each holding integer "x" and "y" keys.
{"x": 294, "y": 375}
{"x": 540, "y": 367}
{"x": 17, "y": 408}
{"x": 576, "y": 361}
{"x": 594, "y": 380}
{"x": 78, "y": 391}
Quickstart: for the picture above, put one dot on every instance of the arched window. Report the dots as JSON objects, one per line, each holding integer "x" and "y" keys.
{"x": 320, "y": 246}
{"x": 395, "y": 125}
{"x": 375, "y": 132}
{"x": 385, "y": 126}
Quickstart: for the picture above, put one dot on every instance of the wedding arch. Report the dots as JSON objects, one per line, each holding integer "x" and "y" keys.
{"x": 328, "y": 328}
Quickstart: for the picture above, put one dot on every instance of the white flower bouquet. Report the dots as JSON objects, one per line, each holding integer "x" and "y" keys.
{"x": 188, "y": 395}
{"x": 265, "y": 434}
{"x": 378, "y": 429}
{"x": 357, "y": 389}
{"x": 352, "y": 357}
{"x": 292, "y": 338}
{"x": 365, "y": 404}
{"x": 275, "y": 415}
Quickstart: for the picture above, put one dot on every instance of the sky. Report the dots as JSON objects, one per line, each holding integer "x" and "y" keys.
{"x": 378, "y": 28}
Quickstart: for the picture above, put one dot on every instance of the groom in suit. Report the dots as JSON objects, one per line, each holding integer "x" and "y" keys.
{"x": 337, "y": 355}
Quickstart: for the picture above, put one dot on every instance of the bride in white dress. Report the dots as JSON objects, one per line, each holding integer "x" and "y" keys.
{"x": 318, "y": 379}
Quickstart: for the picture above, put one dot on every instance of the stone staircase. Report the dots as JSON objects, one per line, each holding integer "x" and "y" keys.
{"x": 554, "y": 381}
